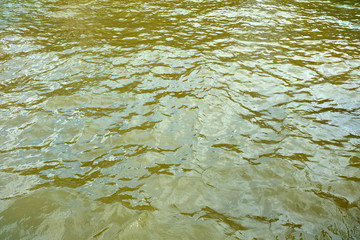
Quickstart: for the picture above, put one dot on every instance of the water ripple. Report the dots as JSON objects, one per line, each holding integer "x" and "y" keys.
{"x": 201, "y": 119}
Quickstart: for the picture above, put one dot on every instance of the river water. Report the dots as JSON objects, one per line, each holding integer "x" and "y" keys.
{"x": 179, "y": 119}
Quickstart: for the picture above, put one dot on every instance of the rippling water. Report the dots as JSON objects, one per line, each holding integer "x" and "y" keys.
{"x": 179, "y": 119}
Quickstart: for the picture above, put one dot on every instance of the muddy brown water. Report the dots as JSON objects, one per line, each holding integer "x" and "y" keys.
{"x": 169, "y": 119}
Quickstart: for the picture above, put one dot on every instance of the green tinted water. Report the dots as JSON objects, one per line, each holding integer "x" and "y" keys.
{"x": 191, "y": 119}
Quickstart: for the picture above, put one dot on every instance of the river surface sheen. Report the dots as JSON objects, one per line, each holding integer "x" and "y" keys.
{"x": 179, "y": 119}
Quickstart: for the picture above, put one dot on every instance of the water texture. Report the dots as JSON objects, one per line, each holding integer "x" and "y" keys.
{"x": 179, "y": 119}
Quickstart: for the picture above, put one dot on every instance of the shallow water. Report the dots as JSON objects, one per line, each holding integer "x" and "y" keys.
{"x": 191, "y": 119}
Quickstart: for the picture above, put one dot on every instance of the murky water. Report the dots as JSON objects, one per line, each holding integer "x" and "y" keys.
{"x": 179, "y": 119}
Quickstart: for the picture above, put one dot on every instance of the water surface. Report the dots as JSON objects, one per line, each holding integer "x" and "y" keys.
{"x": 179, "y": 119}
